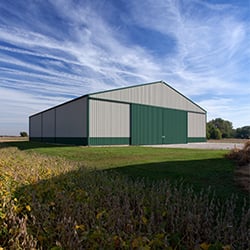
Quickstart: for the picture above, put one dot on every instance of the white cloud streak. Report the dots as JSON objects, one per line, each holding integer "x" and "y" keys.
{"x": 207, "y": 62}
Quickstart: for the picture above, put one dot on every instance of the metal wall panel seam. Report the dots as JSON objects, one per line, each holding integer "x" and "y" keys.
{"x": 87, "y": 121}
{"x": 55, "y": 123}
{"x": 29, "y": 126}
{"x": 41, "y": 125}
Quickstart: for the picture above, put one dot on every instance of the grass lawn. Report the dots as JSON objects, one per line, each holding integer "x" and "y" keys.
{"x": 200, "y": 168}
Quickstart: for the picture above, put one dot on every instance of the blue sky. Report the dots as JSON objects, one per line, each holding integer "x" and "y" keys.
{"x": 53, "y": 51}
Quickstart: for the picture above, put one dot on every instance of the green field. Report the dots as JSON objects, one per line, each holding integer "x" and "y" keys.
{"x": 68, "y": 197}
{"x": 200, "y": 168}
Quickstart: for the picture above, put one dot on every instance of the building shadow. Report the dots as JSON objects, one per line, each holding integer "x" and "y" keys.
{"x": 26, "y": 145}
{"x": 80, "y": 197}
{"x": 200, "y": 174}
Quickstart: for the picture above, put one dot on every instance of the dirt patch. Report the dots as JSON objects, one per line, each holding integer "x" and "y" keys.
{"x": 242, "y": 177}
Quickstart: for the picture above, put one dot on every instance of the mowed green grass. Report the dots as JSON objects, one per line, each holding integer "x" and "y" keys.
{"x": 199, "y": 168}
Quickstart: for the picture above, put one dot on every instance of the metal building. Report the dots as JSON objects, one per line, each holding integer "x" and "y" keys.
{"x": 152, "y": 113}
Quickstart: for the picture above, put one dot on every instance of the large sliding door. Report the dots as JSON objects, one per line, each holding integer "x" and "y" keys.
{"x": 155, "y": 125}
{"x": 174, "y": 126}
{"x": 146, "y": 125}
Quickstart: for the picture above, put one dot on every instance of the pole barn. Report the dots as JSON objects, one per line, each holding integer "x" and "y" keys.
{"x": 147, "y": 114}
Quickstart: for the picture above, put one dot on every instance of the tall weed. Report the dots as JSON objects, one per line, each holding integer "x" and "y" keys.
{"x": 241, "y": 156}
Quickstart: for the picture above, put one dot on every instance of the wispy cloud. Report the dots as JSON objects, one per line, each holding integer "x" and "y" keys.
{"x": 65, "y": 49}
{"x": 208, "y": 44}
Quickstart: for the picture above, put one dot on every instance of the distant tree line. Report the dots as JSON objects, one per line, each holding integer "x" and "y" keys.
{"x": 219, "y": 128}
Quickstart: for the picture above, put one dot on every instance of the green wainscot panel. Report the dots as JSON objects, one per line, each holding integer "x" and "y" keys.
{"x": 197, "y": 139}
{"x": 35, "y": 139}
{"x": 109, "y": 141}
{"x": 61, "y": 140}
{"x": 72, "y": 140}
{"x": 48, "y": 139}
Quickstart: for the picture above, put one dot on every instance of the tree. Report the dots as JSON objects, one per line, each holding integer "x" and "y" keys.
{"x": 224, "y": 127}
{"x": 213, "y": 132}
{"x": 209, "y": 128}
{"x": 23, "y": 134}
{"x": 243, "y": 132}
{"x": 216, "y": 133}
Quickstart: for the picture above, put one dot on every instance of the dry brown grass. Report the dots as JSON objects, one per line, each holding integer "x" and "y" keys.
{"x": 242, "y": 177}
{"x": 242, "y": 158}
{"x": 13, "y": 138}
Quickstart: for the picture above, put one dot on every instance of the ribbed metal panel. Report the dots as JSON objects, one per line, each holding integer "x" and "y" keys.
{"x": 71, "y": 119}
{"x": 196, "y": 125}
{"x": 155, "y": 94}
{"x": 146, "y": 125}
{"x": 174, "y": 126}
{"x": 36, "y": 126}
{"x": 108, "y": 119}
{"x": 48, "y": 124}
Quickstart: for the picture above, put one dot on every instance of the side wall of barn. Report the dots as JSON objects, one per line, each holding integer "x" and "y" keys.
{"x": 66, "y": 123}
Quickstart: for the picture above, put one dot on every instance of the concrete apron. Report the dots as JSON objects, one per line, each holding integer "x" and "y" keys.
{"x": 202, "y": 145}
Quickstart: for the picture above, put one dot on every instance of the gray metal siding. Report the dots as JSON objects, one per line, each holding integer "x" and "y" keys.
{"x": 48, "y": 124}
{"x": 196, "y": 125}
{"x": 155, "y": 94}
{"x": 108, "y": 119}
{"x": 71, "y": 119}
{"x": 36, "y": 126}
